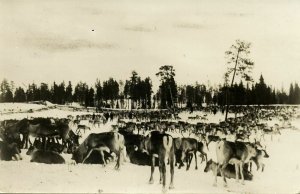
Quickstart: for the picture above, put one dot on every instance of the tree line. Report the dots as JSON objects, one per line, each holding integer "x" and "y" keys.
{"x": 113, "y": 93}
{"x": 258, "y": 93}
{"x": 109, "y": 93}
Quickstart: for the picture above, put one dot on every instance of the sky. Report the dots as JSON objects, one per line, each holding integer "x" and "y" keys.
{"x": 46, "y": 41}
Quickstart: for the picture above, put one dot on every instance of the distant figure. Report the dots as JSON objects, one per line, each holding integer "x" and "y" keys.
{"x": 191, "y": 109}
{"x": 130, "y": 115}
{"x": 215, "y": 110}
{"x": 106, "y": 115}
{"x": 111, "y": 116}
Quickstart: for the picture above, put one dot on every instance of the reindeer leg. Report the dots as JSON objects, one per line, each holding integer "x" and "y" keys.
{"x": 152, "y": 170}
{"x": 202, "y": 158}
{"x": 207, "y": 143}
{"x": 189, "y": 158}
{"x": 88, "y": 155}
{"x": 48, "y": 141}
{"x": 205, "y": 156}
{"x": 180, "y": 164}
{"x": 256, "y": 163}
{"x": 26, "y": 138}
{"x": 262, "y": 167}
{"x": 236, "y": 172}
{"x": 242, "y": 171}
{"x": 216, "y": 174}
{"x": 118, "y": 160}
{"x": 102, "y": 157}
{"x": 182, "y": 157}
{"x": 195, "y": 153}
{"x": 223, "y": 174}
{"x": 171, "y": 158}
{"x": 180, "y": 161}
{"x": 44, "y": 142}
{"x": 160, "y": 172}
{"x": 125, "y": 156}
{"x": 163, "y": 168}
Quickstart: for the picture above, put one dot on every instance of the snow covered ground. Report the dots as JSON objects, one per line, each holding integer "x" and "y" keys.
{"x": 20, "y": 111}
{"x": 18, "y": 107}
{"x": 209, "y": 118}
{"x": 281, "y": 175}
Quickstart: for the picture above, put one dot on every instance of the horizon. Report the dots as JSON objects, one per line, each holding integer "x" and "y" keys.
{"x": 215, "y": 86}
{"x": 59, "y": 41}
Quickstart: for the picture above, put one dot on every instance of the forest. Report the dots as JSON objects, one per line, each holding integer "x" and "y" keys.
{"x": 113, "y": 93}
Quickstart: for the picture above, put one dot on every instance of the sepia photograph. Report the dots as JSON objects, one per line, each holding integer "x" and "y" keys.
{"x": 150, "y": 96}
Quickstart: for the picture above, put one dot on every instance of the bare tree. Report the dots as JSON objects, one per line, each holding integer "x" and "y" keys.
{"x": 239, "y": 65}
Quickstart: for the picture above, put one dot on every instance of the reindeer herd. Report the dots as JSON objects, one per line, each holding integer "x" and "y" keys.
{"x": 156, "y": 138}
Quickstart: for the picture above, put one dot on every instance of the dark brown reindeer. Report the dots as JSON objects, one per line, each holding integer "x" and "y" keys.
{"x": 46, "y": 157}
{"x": 82, "y": 127}
{"x": 186, "y": 148}
{"x": 10, "y": 132}
{"x": 160, "y": 145}
{"x": 44, "y": 128}
{"x": 9, "y": 151}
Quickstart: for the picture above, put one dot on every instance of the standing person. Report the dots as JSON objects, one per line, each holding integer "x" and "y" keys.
{"x": 191, "y": 109}
{"x": 106, "y": 115}
{"x": 130, "y": 115}
{"x": 111, "y": 116}
{"x": 215, "y": 110}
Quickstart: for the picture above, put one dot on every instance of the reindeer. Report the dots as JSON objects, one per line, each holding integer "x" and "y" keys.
{"x": 160, "y": 145}
{"x": 240, "y": 152}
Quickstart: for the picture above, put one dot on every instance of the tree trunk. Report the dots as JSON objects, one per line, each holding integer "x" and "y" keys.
{"x": 234, "y": 72}
{"x": 171, "y": 96}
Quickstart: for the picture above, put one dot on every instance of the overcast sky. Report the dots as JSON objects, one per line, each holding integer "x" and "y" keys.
{"x": 45, "y": 41}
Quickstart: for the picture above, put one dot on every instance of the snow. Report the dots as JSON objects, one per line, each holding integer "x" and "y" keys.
{"x": 281, "y": 175}
{"x": 209, "y": 118}
{"x": 20, "y": 111}
{"x": 13, "y": 107}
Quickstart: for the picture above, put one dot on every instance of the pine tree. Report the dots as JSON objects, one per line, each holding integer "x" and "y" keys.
{"x": 6, "y": 94}
{"x": 168, "y": 86}
{"x": 296, "y": 94}
{"x": 99, "y": 93}
{"x": 20, "y": 95}
{"x": 238, "y": 57}
{"x": 45, "y": 93}
{"x": 68, "y": 95}
{"x": 291, "y": 94}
